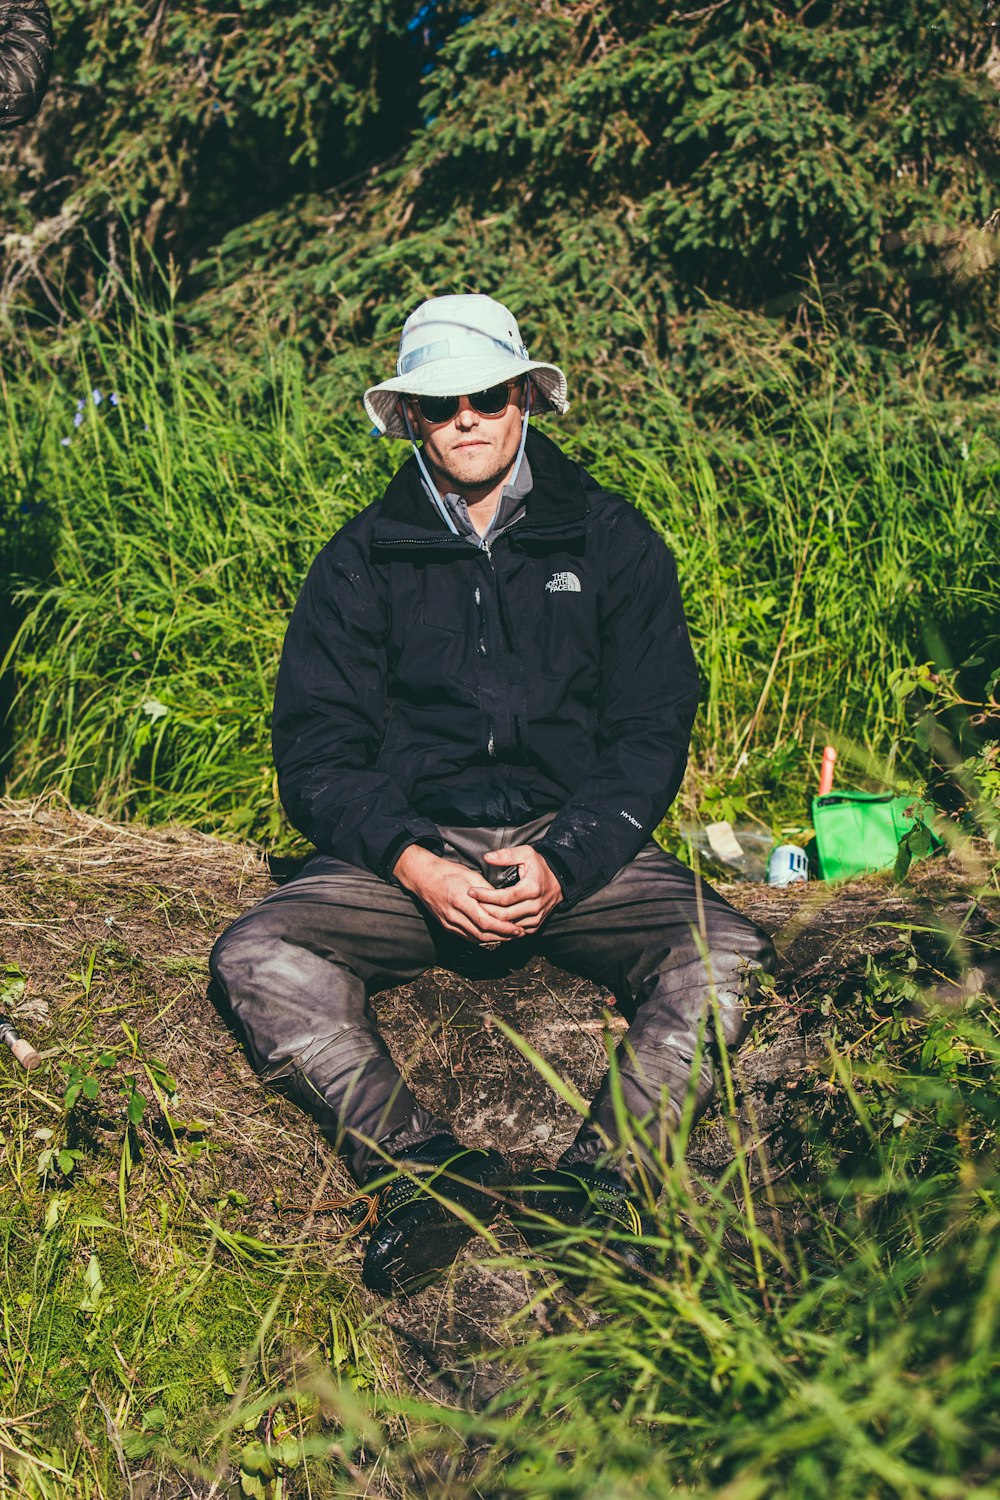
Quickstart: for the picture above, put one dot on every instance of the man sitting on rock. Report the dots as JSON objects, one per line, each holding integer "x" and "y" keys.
{"x": 482, "y": 713}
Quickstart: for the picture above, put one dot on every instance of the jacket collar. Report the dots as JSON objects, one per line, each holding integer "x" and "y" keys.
{"x": 557, "y": 499}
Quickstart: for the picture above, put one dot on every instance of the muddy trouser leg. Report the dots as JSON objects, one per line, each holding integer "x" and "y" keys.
{"x": 682, "y": 964}
{"x": 298, "y": 971}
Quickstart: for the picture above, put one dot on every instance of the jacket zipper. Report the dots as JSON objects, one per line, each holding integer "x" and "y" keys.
{"x": 503, "y": 614}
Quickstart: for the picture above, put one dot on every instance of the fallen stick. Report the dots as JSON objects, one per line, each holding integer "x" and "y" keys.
{"x": 22, "y": 1050}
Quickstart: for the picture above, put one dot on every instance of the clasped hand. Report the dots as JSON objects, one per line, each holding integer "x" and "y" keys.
{"x": 464, "y": 903}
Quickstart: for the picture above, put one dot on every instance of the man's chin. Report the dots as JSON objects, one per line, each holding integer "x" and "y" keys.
{"x": 481, "y": 475}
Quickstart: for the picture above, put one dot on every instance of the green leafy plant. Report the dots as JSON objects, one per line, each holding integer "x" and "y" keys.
{"x": 84, "y": 1081}
{"x": 956, "y": 724}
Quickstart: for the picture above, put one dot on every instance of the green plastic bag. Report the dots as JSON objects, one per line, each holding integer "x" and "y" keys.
{"x": 857, "y": 832}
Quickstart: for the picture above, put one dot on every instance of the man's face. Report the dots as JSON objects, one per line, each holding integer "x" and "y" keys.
{"x": 472, "y": 451}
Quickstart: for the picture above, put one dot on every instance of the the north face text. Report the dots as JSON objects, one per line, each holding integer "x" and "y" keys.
{"x": 563, "y": 583}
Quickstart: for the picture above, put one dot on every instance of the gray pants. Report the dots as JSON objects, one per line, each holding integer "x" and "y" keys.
{"x": 299, "y": 969}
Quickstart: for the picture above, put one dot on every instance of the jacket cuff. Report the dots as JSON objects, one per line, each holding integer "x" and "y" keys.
{"x": 432, "y": 841}
{"x": 561, "y": 870}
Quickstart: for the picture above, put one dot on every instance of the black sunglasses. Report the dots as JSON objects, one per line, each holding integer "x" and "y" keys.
{"x": 489, "y": 403}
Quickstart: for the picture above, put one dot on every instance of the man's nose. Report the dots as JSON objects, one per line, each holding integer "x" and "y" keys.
{"x": 466, "y": 416}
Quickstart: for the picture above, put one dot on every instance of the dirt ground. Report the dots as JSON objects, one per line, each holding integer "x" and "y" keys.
{"x": 143, "y": 906}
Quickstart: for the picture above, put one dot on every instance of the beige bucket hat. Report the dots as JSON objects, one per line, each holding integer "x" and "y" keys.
{"x": 455, "y": 346}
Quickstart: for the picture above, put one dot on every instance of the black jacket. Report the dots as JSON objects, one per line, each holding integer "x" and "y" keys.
{"x": 424, "y": 681}
{"x": 25, "y": 56}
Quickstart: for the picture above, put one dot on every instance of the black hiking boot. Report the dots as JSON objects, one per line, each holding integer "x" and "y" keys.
{"x": 555, "y": 1203}
{"x": 426, "y": 1209}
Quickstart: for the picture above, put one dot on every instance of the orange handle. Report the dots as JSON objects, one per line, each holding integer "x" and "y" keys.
{"x": 826, "y": 770}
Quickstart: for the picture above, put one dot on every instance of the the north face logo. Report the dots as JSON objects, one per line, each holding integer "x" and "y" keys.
{"x": 563, "y": 583}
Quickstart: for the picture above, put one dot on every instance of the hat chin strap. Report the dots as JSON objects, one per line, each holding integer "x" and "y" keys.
{"x": 429, "y": 484}
{"x": 524, "y": 434}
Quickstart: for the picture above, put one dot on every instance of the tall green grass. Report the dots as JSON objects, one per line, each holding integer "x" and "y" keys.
{"x": 139, "y": 1319}
{"x": 823, "y": 542}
